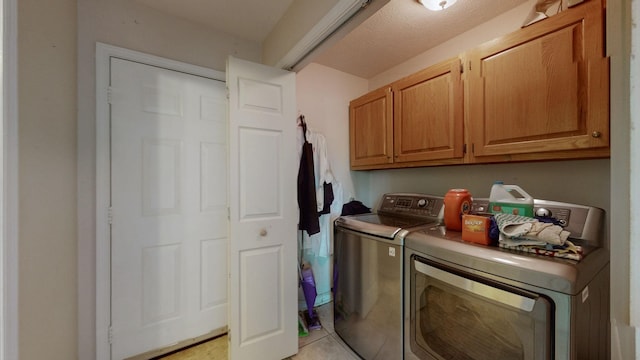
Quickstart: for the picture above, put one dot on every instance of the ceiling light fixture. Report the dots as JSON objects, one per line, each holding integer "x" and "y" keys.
{"x": 437, "y": 5}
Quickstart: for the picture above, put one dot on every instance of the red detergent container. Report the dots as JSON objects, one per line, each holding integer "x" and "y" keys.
{"x": 457, "y": 202}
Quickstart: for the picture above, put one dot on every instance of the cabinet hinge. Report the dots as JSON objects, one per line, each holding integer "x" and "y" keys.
{"x": 227, "y": 92}
{"x": 473, "y": 148}
{"x": 461, "y": 68}
{"x": 110, "y": 215}
{"x": 464, "y": 149}
{"x": 228, "y": 213}
{"x": 110, "y": 335}
{"x": 469, "y": 65}
{"x": 109, "y": 94}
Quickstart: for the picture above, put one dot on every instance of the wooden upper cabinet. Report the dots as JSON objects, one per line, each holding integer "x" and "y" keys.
{"x": 543, "y": 91}
{"x": 429, "y": 114}
{"x": 539, "y": 93}
{"x": 371, "y": 128}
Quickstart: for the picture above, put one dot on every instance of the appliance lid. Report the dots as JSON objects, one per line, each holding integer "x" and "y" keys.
{"x": 561, "y": 275}
{"x": 585, "y": 223}
{"x": 395, "y": 212}
{"x": 379, "y": 225}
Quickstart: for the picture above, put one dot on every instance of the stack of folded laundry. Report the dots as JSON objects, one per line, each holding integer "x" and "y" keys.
{"x": 535, "y": 236}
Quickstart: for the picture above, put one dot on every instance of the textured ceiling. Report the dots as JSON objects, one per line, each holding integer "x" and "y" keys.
{"x": 403, "y": 29}
{"x": 397, "y": 32}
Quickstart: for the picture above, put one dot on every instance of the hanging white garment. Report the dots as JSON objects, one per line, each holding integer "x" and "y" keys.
{"x": 321, "y": 244}
{"x": 321, "y": 166}
{"x": 322, "y": 169}
{"x": 317, "y": 248}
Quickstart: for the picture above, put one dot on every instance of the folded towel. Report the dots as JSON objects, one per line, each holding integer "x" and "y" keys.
{"x": 566, "y": 251}
{"x": 523, "y": 233}
{"x": 514, "y": 225}
{"x": 553, "y": 234}
{"x": 521, "y": 230}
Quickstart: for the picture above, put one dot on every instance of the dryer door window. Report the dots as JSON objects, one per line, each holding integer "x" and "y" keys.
{"x": 458, "y": 316}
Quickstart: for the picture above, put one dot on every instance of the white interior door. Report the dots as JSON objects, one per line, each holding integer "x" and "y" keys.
{"x": 263, "y": 211}
{"x": 169, "y": 207}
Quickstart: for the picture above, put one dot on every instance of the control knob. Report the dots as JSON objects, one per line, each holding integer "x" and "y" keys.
{"x": 422, "y": 202}
{"x": 542, "y": 212}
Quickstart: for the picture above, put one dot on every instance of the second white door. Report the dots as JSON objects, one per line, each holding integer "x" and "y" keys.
{"x": 262, "y": 175}
{"x": 169, "y": 207}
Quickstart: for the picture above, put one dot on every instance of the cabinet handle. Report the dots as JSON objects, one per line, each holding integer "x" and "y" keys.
{"x": 263, "y": 232}
{"x": 596, "y": 134}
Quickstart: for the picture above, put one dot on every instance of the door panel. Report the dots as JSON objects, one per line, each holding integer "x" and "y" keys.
{"x": 169, "y": 195}
{"x": 541, "y": 89}
{"x": 429, "y": 114}
{"x": 257, "y": 161}
{"x": 263, "y": 211}
{"x": 371, "y": 128}
{"x": 263, "y": 318}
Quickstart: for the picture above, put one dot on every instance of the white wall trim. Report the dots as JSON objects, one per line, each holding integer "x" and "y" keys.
{"x": 634, "y": 245}
{"x": 104, "y": 53}
{"x": 9, "y": 196}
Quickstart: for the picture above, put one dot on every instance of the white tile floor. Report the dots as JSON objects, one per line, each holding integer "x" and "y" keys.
{"x": 321, "y": 344}
{"x": 324, "y": 343}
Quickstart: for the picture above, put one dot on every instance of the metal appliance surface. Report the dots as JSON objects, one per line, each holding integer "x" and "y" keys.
{"x": 368, "y": 255}
{"x": 493, "y": 303}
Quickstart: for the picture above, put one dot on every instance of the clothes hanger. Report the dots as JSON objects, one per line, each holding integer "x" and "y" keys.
{"x": 303, "y": 123}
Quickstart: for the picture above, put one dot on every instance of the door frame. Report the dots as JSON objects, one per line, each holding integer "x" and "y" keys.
{"x": 9, "y": 184}
{"x": 104, "y": 53}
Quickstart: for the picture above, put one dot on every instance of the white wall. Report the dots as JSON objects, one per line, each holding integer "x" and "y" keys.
{"x": 634, "y": 253}
{"x": 323, "y": 96}
{"x": 624, "y": 298}
{"x": 126, "y": 24}
{"x": 47, "y": 312}
{"x": 9, "y": 183}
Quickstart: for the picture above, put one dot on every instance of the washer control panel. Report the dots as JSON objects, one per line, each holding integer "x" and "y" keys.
{"x": 583, "y": 222}
{"x": 408, "y": 204}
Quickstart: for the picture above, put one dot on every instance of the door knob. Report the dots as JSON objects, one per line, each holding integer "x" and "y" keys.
{"x": 596, "y": 134}
{"x": 263, "y": 232}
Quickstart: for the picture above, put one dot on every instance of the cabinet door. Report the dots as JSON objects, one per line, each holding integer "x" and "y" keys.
{"x": 371, "y": 128}
{"x": 543, "y": 91}
{"x": 429, "y": 114}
